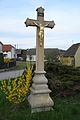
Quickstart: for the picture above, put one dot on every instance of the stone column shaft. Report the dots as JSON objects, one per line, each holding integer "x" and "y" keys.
{"x": 39, "y": 49}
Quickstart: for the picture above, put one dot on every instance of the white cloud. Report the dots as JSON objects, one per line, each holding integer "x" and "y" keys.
{"x": 55, "y": 42}
{"x": 15, "y": 26}
{"x": 21, "y": 43}
{"x": 66, "y": 25}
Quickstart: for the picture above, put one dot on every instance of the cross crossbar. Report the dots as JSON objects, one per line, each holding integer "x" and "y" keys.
{"x": 31, "y": 22}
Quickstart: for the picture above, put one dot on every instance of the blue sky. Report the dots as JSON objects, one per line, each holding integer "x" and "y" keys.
{"x": 65, "y": 13}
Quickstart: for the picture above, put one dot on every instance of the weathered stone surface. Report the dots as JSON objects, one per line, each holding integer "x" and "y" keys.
{"x": 39, "y": 98}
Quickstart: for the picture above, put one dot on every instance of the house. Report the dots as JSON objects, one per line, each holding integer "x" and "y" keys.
{"x": 1, "y": 44}
{"x": 18, "y": 54}
{"x": 31, "y": 54}
{"x": 21, "y": 54}
{"x": 50, "y": 54}
{"x": 72, "y": 56}
{"x": 9, "y": 51}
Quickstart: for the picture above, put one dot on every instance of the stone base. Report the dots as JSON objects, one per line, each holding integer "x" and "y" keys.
{"x": 41, "y": 109}
{"x": 39, "y": 98}
{"x": 40, "y": 103}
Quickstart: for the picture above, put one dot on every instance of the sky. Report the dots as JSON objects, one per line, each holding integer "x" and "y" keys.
{"x": 65, "y": 13}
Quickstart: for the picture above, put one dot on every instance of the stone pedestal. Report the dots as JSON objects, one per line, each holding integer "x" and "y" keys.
{"x": 39, "y": 98}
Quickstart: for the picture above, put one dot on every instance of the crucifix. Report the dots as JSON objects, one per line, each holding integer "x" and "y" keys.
{"x": 39, "y": 98}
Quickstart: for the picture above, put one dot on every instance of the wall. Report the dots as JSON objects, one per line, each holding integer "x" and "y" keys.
{"x": 77, "y": 58}
{"x": 7, "y": 55}
{"x": 33, "y": 58}
{"x": 0, "y": 47}
{"x": 10, "y": 54}
{"x": 67, "y": 60}
{"x": 13, "y": 53}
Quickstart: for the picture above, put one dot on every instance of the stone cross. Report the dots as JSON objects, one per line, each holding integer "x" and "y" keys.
{"x": 39, "y": 98}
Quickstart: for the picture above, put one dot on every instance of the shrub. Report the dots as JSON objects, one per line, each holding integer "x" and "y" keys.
{"x": 7, "y": 60}
{"x": 62, "y": 78}
{"x": 17, "y": 89}
{"x": 1, "y": 60}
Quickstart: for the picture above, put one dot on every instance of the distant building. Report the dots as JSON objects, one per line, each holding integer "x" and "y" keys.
{"x": 49, "y": 54}
{"x": 21, "y": 54}
{"x": 72, "y": 56}
{"x": 9, "y": 51}
{"x": 31, "y": 54}
{"x": 1, "y": 44}
{"x": 18, "y": 54}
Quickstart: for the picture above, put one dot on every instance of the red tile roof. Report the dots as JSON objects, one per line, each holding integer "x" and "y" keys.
{"x": 6, "y": 48}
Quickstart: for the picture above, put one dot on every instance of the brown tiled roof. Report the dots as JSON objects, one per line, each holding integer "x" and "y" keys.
{"x": 72, "y": 50}
{"x": 6, "y": 48}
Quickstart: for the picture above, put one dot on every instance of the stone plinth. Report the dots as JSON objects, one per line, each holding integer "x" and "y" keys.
{"x": 39, "y": 98}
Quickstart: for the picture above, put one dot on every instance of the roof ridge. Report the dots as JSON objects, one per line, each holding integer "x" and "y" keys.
{"x": 71, "y": 51}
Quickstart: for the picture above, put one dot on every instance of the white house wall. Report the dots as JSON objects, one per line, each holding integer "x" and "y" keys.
{"x": 10, "y": 54}
{"x": 77, "y": 58}
{"x": 0, "y": 47}
{"x": 27, "y": 59}
{"x": 13, "y": 53}
{"x": 32, "y": 56}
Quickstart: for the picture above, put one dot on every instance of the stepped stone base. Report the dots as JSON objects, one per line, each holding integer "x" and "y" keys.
{"x": 39, "y": 98}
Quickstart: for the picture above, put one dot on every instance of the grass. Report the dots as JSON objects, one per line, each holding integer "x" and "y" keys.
{"x": 22, "y": 65}
{"x": 64, "y": 109}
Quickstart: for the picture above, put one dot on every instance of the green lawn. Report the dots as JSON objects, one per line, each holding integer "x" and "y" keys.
{"x": 22, "y": 65}
{"x": 64, "y": 109}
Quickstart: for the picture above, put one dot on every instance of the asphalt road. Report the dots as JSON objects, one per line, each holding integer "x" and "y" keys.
{"x": 10, "y": 74}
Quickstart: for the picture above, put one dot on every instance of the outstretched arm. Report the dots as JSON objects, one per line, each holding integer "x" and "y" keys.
{"x": 46, "y": 25}
{"x": 36, "y": 24}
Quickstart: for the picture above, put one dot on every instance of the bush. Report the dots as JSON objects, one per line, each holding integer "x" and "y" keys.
{"x": 62, "y": 78}
{"x": 1, "y": 60}
{"x": 9, "y": 63}
{"x": 17, "y": 89}
{"x": 7, "y": 60}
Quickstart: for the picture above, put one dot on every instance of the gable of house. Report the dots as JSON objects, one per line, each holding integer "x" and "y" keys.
{"x": 77, "y": 57}
{"x": 1, "y": 44}
{"x": 72, "y": 50}
{"x": 69, "y": 57}
{"x": 8, "y": 51}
